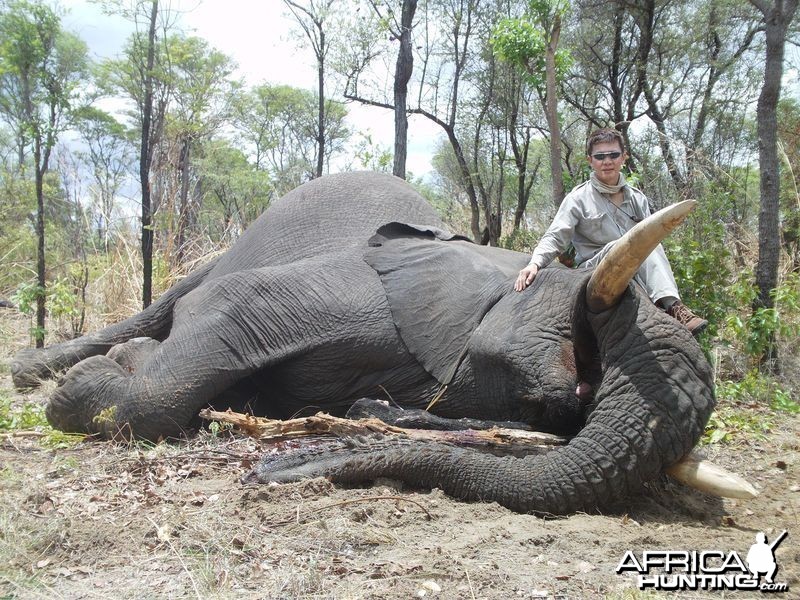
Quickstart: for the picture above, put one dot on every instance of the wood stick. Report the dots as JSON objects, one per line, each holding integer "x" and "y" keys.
{"x": 513, "y": 441}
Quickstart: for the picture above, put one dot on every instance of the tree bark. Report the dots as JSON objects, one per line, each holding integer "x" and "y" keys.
{"x": 40, "y": 262}
{"x": 183, "y": 210}
{"x": 551, "y": 110}
{"x": 144, "y": 165}
{"x": 402, "y": 74}
{"x": 777, "y": 16}
{"x": 321, "y": 103}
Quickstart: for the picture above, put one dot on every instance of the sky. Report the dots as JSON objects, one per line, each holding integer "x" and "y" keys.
{"x": 257, "y": 35}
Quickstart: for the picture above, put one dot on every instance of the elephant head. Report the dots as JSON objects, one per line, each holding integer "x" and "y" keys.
{"x": 653, "y": 388}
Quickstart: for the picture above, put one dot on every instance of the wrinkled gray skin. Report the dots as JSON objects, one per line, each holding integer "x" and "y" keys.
{"x": 311, "y": 310}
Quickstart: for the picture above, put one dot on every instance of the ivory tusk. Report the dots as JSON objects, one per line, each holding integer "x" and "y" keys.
{"x": 612, "y": 275}
{"x": 711, "y": 479}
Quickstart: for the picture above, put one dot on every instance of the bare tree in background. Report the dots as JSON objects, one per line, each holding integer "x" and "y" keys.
{"x": 312, "y": 18}
{"x": 778, "y": 15}
{"x": 404, "y": 67}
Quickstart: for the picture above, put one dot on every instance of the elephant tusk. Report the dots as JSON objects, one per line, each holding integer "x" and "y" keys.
{"x": 612, "y": 275}
{"x": 711, "y": 479}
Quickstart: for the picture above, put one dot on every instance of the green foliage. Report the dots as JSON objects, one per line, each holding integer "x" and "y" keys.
{"x": 62, "y": 299}
{"x": 521, "y": 240}
{"x": 235, "y": 191}
{"x": 60, "y": 296}
{"x": 107, "y": 416}
{"x": 277, "y": 126}
{"x": 371, "y": 156}
{"x": 522, "y": 42}
{"x": 728, "y": 424}
{"x": 219, "y": 429}
{"x": 42, "y": 66}
{"x": 26, "y": 296}
{"x": 30, "y": 416}
{"x": 755, "y": 330}
{"x": 702, "y": 275}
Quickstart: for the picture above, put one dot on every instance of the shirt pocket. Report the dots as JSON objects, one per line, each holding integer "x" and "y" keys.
{"x": 592, "y": 228}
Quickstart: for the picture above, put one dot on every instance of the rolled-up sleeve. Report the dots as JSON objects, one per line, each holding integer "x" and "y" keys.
{"x": 558, "y": 236}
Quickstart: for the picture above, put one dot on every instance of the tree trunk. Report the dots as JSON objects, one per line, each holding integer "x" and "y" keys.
{"x": 144, "y": 165}
{"x": 402, "y": 74}
{"x": 321, "y": 109}
{"x": 183, "y": 205}
{"x": 551, "y": 111}
{"x": 659, "y": 120}
{"x": 40, "y": 263}
{"x": 777, "y": 17}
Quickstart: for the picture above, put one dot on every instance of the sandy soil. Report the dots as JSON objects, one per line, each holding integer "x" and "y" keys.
{"x": 172, "y": 521}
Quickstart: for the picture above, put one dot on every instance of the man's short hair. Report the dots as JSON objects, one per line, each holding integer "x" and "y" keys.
{"x": 602, "y": 136}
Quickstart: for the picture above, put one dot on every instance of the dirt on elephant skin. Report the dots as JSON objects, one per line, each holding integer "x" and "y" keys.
{"x": 101, "y": 520}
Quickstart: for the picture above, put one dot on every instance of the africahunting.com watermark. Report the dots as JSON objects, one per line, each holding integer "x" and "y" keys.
{"x": 708, "y": 569}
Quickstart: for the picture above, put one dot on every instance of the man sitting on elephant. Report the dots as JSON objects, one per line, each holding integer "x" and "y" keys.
{"x": 595, "y": 214}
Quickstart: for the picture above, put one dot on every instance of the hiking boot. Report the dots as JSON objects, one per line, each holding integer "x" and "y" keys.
{"x": 683, "y": 315}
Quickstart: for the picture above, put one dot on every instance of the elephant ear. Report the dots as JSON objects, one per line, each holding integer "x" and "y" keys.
{"x": 439, "y": 287}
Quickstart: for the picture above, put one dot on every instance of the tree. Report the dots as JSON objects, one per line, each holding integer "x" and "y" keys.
{"x": 442, "y": 86}
{"x": 143, "y": 77}
{"x": 789, "y": 136}
{"x": 312, "y": 19}
{"x": 277, "y": 126}
{"x": 146, "y": 152}
{"x": 778, "y": 15}
{"x": 532, "y": 43}
{"x": 41, "y": 67}
{"x": 235, "y": 191}
{"x": 400, "y": 30}
{"x": 108, "y": 155}
{"x": 201, "y": 90}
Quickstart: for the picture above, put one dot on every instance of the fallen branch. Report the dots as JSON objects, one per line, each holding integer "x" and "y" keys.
{"x": 692, "y": 470}
{"x": 511, "y": 441}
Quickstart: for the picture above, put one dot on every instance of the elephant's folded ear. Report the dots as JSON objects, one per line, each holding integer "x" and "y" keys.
{"x": 396, "y": 230}
{"x": 438, "y": 292}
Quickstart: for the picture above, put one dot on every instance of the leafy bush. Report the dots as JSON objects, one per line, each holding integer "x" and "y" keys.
{"x": 703, "y": 278}
{"x": 31, "y": 416}
{"x": 61, "y": 298}
{"x": 755, "y": 330}
{"x": 521, "y": 240}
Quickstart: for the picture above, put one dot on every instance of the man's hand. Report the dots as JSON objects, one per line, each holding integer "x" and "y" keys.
{"x": 526, "y": 277}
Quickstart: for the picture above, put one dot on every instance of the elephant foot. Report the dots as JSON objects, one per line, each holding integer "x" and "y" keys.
{"x": 29, "y": 368}
{"x": 133, "y": 353}
{"x": 83, "y": 400}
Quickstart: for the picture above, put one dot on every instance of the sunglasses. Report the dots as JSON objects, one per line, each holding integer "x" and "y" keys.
{"x": 601, "y": 156}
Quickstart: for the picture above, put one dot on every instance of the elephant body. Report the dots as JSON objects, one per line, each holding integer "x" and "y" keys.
{"x": 349, "y": 286}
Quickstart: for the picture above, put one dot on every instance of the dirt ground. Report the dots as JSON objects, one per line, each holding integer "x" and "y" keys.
{"x": 99, "y": 520}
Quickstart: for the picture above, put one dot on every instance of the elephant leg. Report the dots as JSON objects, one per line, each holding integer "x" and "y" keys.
{"x": 228, "y": 330}
{"x": 159, "y": 398}
{"x": 421, "y": 419}
{"x": 30, "y": 366}
{"x": 132, "y": 354}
